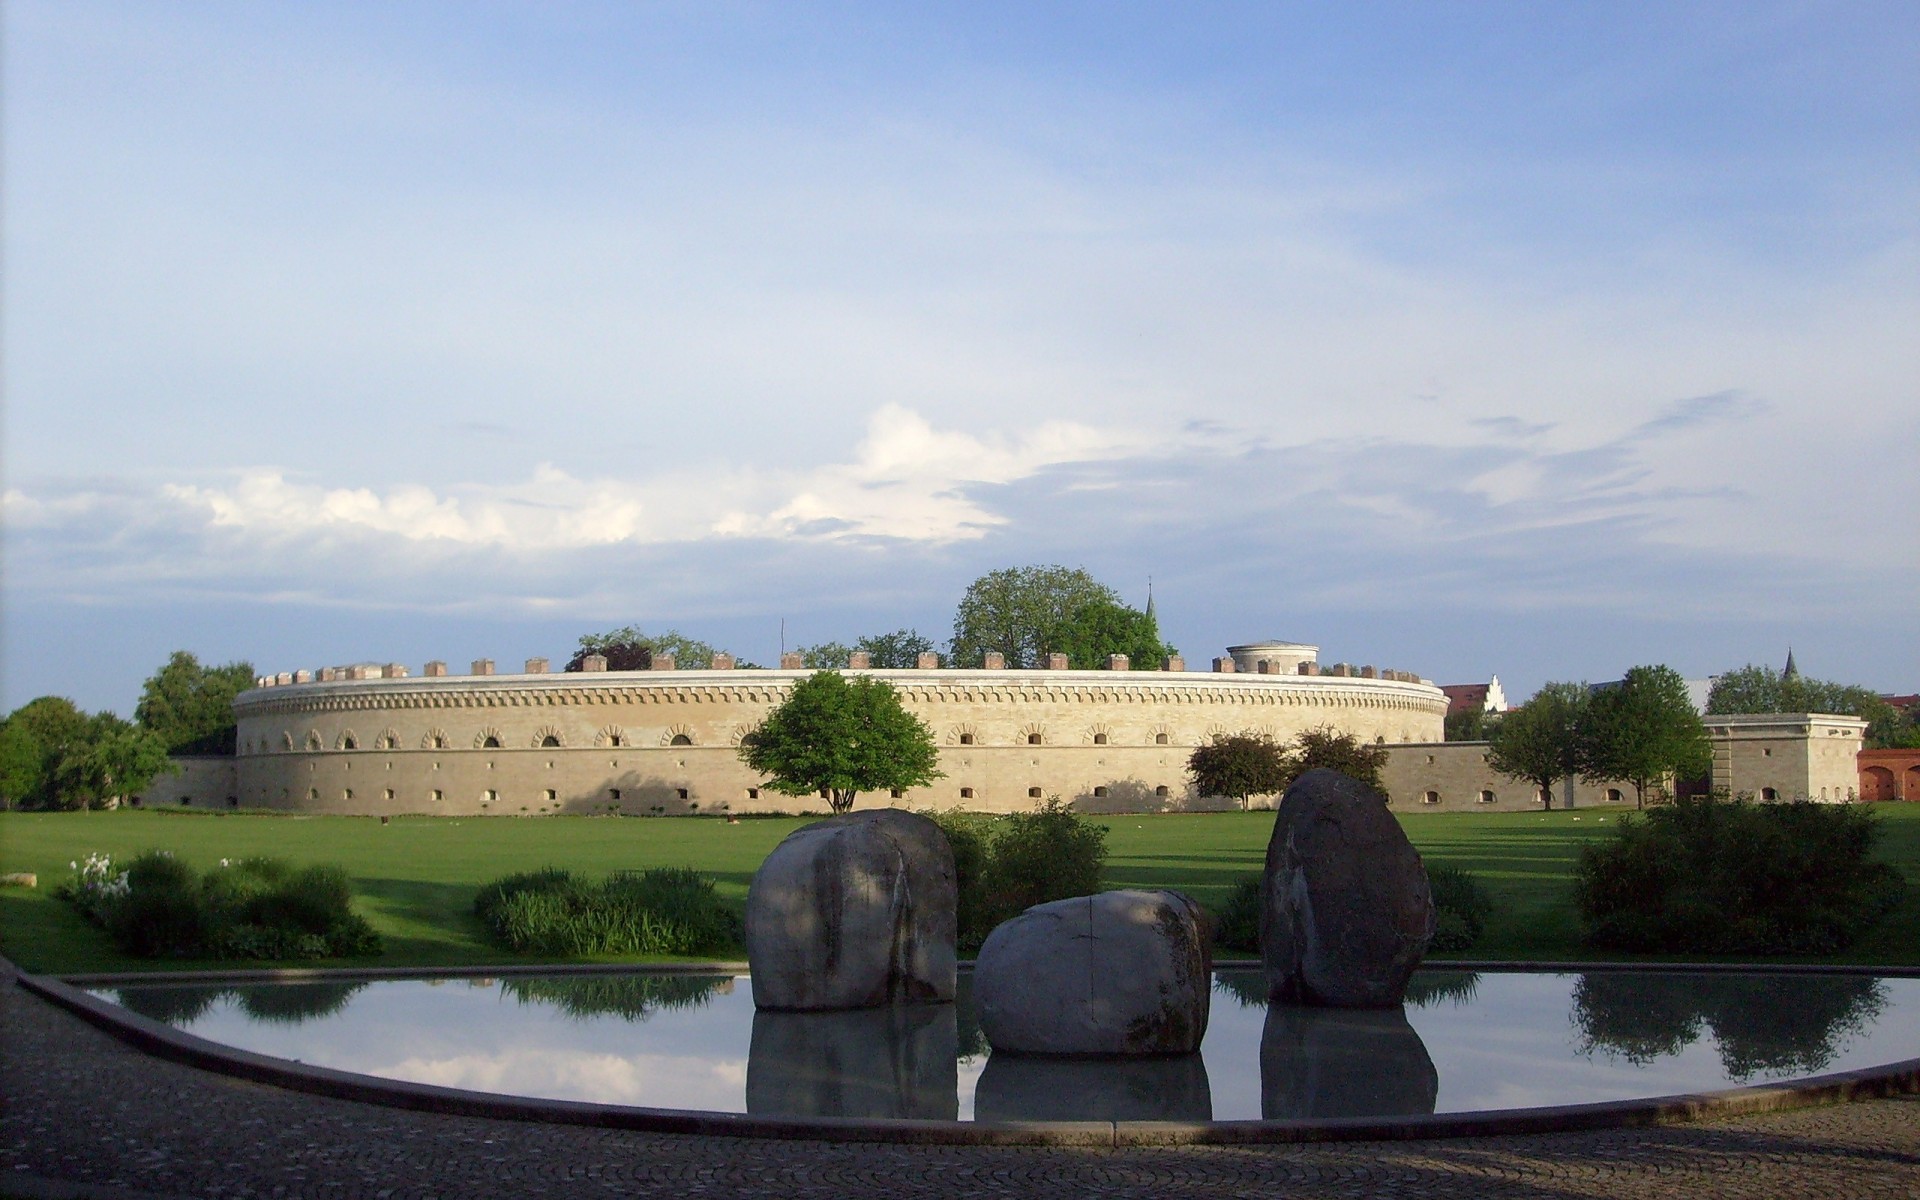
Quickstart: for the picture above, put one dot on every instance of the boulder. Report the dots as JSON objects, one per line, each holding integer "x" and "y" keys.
{"x": 1114, "y": 973}
{"x": 852, "y": 912}
{"x": 892, "y": 1063}
{"x": 1320, "y": 1063}
{"x": 1346, "y": 914}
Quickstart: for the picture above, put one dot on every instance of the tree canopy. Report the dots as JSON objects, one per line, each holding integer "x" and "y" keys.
{"x": 898, "y": 650}
{"x": 1027, "y": 613}
{"x": 189, "y": 707}
{"x": 629, "y": 649}
{"x": 1758, "y": 689}
{"x": 1643, "y": 730}
{"x": 1540, "y": 740}
{"x": 1098, "y": 628}
{"x": 54, "y": 756}
{"x": 842, "y": 737}
{"x": 1339, "y": 751}
{"x": 1240, "y": 764}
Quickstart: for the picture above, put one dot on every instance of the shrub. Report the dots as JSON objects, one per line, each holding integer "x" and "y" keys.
{"x": 1718, "y": 876}
{"x": 1051, "y": 853}
{"x": 253, "y": 908}
{"x": 1238, "y": 927}
{"x": 667, "y": 910}
{"x": 970, "y": 835}
{"x": 1460, "y": 906}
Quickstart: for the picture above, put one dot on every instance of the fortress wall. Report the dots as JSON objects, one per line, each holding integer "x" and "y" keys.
{"x": 1108, "y": 740}
{"x": 1800, "y": 756}
{"x": 203, "y": 781}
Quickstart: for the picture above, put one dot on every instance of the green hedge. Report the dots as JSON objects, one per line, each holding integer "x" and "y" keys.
{"x": 552, "y": 912}
{"x": 1718, "y": 876}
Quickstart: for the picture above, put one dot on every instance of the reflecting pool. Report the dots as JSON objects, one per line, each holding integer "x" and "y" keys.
{"x": 1464, "y": 1042}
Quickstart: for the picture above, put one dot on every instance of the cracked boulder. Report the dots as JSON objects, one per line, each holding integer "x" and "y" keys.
{"x": 855, "y": 911}
{"x": 1120, "y": 973}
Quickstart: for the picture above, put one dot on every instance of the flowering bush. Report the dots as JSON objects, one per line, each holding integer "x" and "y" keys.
{"x": 244, "y": 908}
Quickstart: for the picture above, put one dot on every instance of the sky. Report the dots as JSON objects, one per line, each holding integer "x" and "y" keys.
{"x": 1465, "y": 339}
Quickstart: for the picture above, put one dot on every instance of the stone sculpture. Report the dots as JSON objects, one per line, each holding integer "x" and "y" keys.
{"x": 1115, "y": 973}
{"x": 1028, "y": 1087}
{"x": 1346, "y": 913}
{"x": 852, "y": 912}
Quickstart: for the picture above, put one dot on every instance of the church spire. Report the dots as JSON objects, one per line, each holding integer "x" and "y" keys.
{"x": 1150, "y": 616}
{"x": 1790, "y": 671}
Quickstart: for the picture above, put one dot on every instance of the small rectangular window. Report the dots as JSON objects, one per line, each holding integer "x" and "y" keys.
{"x": 753, "y": 793}
{"x": 1033, "y": 793}
{"x": 681, "y": 792}
{"x": 966, "y": 793}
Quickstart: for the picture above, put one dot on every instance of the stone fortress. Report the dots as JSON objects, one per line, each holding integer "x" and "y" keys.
{"x": 375, "y": 740}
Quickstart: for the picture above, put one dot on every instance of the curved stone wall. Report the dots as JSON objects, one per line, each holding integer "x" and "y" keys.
{"x": 664, "y": 741}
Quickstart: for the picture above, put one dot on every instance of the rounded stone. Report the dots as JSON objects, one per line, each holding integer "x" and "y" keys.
{"x": 854, "y": 911}
{"x": 1114, "y": 973}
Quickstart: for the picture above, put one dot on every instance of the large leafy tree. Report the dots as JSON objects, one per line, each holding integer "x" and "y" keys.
{"x": 189, "y": 707}
{"x": 54, "y": 756}
{"x": 1098, "y": 628}
{"x": 825, "y": 656}
{"x": 841, "y": 737}
{"x": 1757, "y": 689}
{"x": 1020, "y": 611}
{"x": 1240, "y": 764}
{"x": 1540, "y": 740}
{"x": 1643, "y": 730}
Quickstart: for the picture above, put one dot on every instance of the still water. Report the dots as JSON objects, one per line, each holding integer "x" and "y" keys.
{"x": 1464, "y": 1042}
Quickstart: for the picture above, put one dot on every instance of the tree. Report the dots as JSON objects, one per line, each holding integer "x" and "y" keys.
{"x": 899, "y": 650}
{"x": 1338, "y": 751}
{"x": 625, "y": 649}
{"x": 190, "y": 707}
{"x": 1019, "y": 611}
{"x": 1098, "y": 628}
{"x": 1644, "y": 730}
{"x": 827, "y": 656}
{"x": 1757, "y": 689}
{"x": 1468, "y": 725}
{"x": 843, "y": 738}
{"x": 53, "y": 756}
{"x": 1540, "y": 741}
{"x": 1240, "y": 764}
{"x": 628, "y": 649}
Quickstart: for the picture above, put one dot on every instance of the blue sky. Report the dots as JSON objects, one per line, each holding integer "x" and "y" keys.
{"x": 1538, "y": 340}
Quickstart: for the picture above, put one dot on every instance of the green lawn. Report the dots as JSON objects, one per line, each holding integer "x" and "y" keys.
{"x": 415, "y": 877}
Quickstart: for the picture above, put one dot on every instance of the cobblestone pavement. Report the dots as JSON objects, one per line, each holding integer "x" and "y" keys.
{"x": 86, "y": 1116}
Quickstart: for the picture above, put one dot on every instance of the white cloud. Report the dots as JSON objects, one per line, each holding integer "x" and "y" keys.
{"x": 907, "y": 481}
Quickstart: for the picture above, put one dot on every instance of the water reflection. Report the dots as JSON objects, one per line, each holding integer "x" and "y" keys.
{"x": 1343, "y": 1062}
{"x": 894, "y": 1062}
{"x": 629, "y": 997}
{"x": 271, "y": 1003}
{"x": 1762, "y": 1024}
{"x": 1248, "y": 986}
{"x": 1026, "y": 1087}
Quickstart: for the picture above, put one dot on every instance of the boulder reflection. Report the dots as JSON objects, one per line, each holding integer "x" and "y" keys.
{"x": 1763, "y": 1024}
{"x": 892, "y": 1062}
{"x": 1343, "y": 1062}
{"x": 1026, "y": 1087}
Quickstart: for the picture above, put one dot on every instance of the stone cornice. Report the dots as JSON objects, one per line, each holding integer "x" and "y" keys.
{"x": 916, "y": 688}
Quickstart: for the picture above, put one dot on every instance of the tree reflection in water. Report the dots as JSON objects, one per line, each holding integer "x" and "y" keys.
{"x": 632, "y": 997}
{"x": 277, "y": 1003}
{"x": 1763, "y": 1024}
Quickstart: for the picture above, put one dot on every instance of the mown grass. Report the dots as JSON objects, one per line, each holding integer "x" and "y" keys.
{"x": 416, "y": 877}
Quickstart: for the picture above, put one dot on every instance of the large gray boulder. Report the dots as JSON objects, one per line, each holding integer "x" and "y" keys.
{"x": 853, "y": 912}
{"x": 1113, "y": 973}
{"x": 1346, "y": 913}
